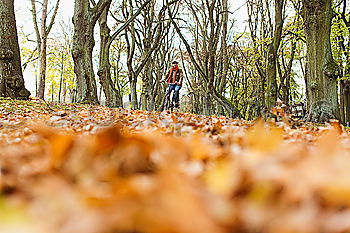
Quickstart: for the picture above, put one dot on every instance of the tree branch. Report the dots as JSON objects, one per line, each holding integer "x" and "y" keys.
{"x": 53, "y": 17}
{"x": 122, "y": 28}
{"x": 35, "y": 22}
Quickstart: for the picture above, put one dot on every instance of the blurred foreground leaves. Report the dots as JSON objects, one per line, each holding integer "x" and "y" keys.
{"x": 81, "y": 168}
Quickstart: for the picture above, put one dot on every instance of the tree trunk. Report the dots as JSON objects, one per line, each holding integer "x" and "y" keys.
{"x": 224, "y": 56}
{"x": 84, "y": 20}
{"x": 61, "y": 78}
{"x": 11, "y": 77}
{"x": 146, "y": 84}
{"x": 347, "y": 101}
{"x": 131, "y": 74}
{"x": 286, "y": 77}
{"x": 149, "y": 19}
{"x": 42, "y": 52}
{"x": 42, "y": 70}
{"x": 113, "y": 97}
{"x": 322, "y": 71}
{"x": 42, "y": 36}
{"x": 146, "y": 87}
{"x": 271, "y": 63}
{"x": 342, "y": 100}
{"x": 133, "y": 92}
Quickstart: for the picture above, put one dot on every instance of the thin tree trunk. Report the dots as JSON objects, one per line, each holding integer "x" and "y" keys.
{"x": 342, "y": 100}
{"x": 131, "y": 73}
{"x": 286, "y": 77}
{"x": 42, "y": 37}
{"x": 347, "y": 102}
{"x": 271, "y": 63}
{"x": 224, "y": 55}
{"x": 61, "y": 78}
{"x": 42, "y": 52}
{"x": 52, "y": 92}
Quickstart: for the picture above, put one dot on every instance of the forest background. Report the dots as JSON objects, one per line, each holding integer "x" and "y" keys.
{"x": 239, "y": 57}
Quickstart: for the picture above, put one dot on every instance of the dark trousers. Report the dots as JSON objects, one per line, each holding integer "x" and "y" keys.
{"x": 176, "y": 88}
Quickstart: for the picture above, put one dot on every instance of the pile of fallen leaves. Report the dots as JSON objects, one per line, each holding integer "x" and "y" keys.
{"x": 91, "y": 169}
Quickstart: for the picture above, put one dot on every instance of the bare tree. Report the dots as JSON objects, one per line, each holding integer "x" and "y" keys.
{"x": 41, "y": 39}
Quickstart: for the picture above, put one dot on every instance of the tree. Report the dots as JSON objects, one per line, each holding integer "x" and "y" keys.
{"x": 41, "y": 39}
{"x": 11, "y": 77}
{"x": 322, "y": 71}
{"x": 113, "y": 96}
{"x": 271, "y": 64}
{"x": 341, "y": 48}
{"x": 84, "y": 19}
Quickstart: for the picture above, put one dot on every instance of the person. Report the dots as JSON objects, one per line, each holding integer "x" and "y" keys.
{"x": 174, "y": 79}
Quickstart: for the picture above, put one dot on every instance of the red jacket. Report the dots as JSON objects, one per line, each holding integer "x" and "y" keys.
{"x": 169, "y": 77}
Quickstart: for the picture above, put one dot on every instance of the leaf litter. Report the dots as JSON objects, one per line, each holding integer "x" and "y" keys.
{"x": 81, "y": 168}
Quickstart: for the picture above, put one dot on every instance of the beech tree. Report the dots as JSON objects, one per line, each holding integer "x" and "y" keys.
{"x": 84, "y": 19}
{"x": 11, "y": 77}
{"x": 113, "y": 96}
{"x": 322, "y": 71}
{"x": 271, "y": 63}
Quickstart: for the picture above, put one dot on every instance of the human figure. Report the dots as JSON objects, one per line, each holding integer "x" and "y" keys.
{"x": 174, "y": 78}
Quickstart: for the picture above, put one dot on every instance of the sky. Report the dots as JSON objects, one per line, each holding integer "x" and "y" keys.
{"x": 24, "y": 21}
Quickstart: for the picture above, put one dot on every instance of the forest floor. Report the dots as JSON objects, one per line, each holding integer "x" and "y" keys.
{"x": 68, "y": 168}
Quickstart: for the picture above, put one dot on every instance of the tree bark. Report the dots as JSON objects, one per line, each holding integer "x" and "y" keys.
{"x": 84, "y": 21}
{"x": 113, "y": 97}
{"x": 271, "y": 63}
{"x": 322, "y": 71}
{"x": 224, "y": 60}
{"x": 11, "y": 77}
{"x": 149, "y": 19}
{"x": 347, "y": 102}
{"x": 131, "y": 74}
{"x": 42, "y": 52}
